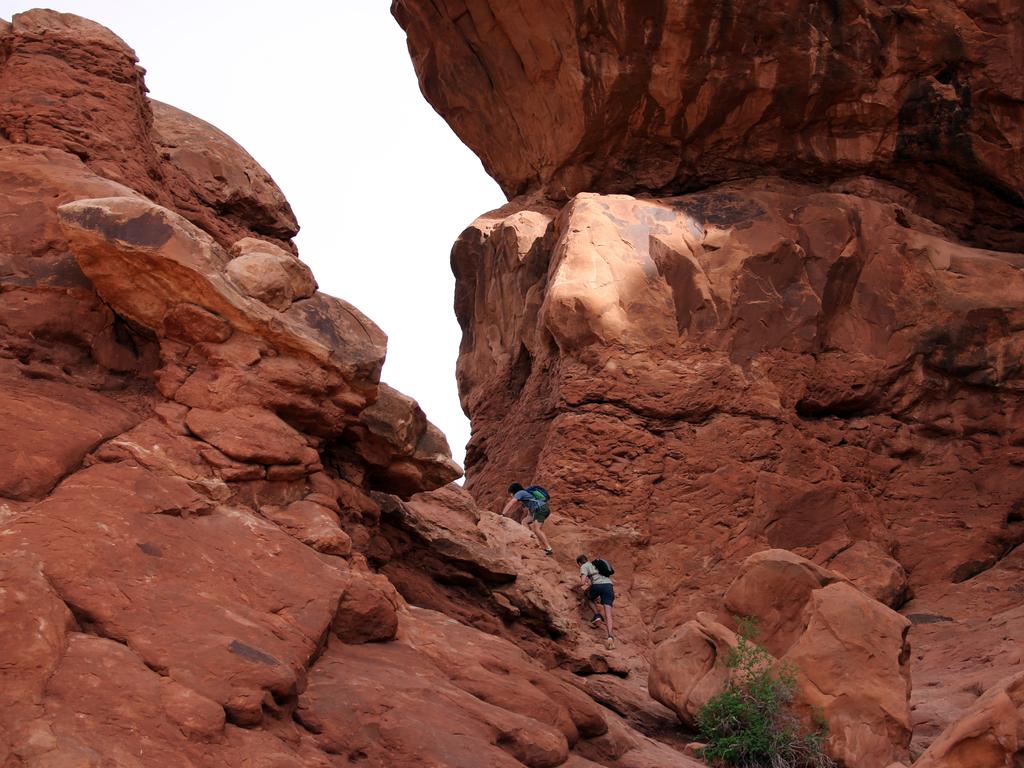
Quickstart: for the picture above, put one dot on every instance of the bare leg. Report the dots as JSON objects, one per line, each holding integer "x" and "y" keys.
{"x": 595, "y": 610}
{"x": 608, "y": 618}
{"x": 535, "y": 527}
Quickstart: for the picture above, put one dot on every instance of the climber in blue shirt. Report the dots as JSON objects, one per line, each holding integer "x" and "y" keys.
{"x": 534, "y": 501}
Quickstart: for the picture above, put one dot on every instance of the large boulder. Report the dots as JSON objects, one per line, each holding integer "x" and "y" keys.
{"x": 850, "y": 650}
{"x": 405, "y": 451}
{"x": 145, "y": 260}
{"x": 218, "y": 173}
{"x": 266, "y": 272}
{"x": 689, "y": 668}
{"x": 849, "y": 653}
{"x": 853, "y": 670}
{"x": 103, "y": 115}
{"x": 773, "y": 587}
{"x": 873, "y": 571}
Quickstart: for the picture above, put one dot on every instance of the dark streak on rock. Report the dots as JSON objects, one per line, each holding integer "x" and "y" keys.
{"x": 149, "y": 230}
{"x": 253, "y": 654}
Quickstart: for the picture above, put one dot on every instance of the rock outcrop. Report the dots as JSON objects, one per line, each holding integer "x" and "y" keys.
{"x": 203, "y": 476}
{"x": 758, "y": 285}
{"x": 690, "y": 667}
{"x": 564, "y": 98}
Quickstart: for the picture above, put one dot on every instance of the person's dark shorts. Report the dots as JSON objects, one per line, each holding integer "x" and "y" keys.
{"x": 605, "y": 593}
{"x": 540, "y": 515}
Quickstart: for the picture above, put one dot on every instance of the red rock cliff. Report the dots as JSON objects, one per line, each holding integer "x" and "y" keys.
{"x": 760, "y": 284}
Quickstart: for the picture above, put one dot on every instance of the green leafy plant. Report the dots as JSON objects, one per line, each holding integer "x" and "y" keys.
{"x": 751, "y": 724}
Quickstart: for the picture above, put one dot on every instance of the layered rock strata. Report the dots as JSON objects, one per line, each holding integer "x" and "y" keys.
{"x": 670, "y": 97}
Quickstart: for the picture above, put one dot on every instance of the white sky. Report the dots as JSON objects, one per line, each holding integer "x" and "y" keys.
{"x": 324, "y": 96}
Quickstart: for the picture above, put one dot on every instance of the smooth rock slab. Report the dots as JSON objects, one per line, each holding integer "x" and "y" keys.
{"x": 104, "y": 707}
{"x": 251, "y": 434}
{"x": 989, "y": 735}
{"x": 225, "y": 604}
{"x": 397, "y": 703}
{"x": 46, "y": 431}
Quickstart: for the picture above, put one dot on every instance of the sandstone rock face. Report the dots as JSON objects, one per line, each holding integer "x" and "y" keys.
{"x": 743, "y": 368}
{"x": 562, "y": 97}
{"x": 760, "y": 288}
{"x": 765, "y": 293}
{"x": 71, "y": 84}
{"x": 759, "y": 285}
{"x": 689, "y": 404}
{"x": 214, "y": 518}
{"x": 762, "y": 364}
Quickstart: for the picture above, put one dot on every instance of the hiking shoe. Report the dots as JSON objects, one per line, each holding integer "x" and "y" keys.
{"x": 598, "y": 618}
{"x": 549, "y": 551}
{"x": 609, "y": 642}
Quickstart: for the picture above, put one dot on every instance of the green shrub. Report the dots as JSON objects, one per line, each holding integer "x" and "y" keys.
{"x": 751, "y": 724}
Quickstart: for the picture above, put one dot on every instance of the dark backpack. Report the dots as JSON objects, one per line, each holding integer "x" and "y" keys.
{"x": 603, "y": 566}
{"x": 538, "y": 493}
